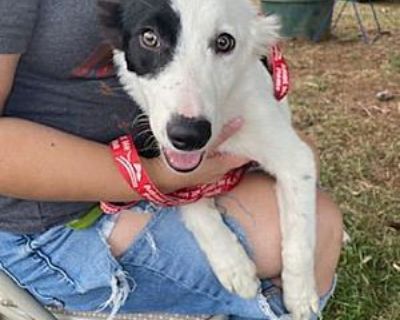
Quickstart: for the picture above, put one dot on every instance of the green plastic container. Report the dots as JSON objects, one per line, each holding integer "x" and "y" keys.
{"x": 309, "y": 19}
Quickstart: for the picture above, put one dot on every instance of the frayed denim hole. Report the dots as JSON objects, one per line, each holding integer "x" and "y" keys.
{"x": 274, "y": 297}
{"x": 121, "y": 285}
{"x": 266, "y": 308}
{"x": 107, "y": 225}
{"x": 152, "y": 208}
{"x": 134, "y": 255}
{"x": 146, "y": 207}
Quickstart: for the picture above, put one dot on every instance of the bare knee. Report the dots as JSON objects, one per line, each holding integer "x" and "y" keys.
{"x": 127, "y": 227}
{"x": 329, "y": 219}
{"x": 329, "y": 241}
{"x": 253, "y": 204}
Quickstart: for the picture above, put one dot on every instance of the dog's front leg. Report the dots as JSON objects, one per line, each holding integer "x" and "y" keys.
{"x": 294, "y": 168}
{"x": 296, "y": 197}
{"x": 280, "y": 152}
{"x": 228, "y": 259}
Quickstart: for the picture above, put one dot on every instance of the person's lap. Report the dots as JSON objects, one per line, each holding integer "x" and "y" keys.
{"x": 163, "y": 270}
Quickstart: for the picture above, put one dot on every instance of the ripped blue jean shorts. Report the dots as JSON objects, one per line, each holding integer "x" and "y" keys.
{"x": 163, "y": 271}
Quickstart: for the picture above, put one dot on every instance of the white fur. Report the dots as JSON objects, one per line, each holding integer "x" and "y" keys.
{"x": 199, "y": 82}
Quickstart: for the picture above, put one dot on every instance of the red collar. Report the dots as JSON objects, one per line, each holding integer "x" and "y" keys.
{"x": 280, "y": 73}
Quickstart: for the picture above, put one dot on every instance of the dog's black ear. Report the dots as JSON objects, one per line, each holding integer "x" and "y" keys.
{"x": 110, "y": 20}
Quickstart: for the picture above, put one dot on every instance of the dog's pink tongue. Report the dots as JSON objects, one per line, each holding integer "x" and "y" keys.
{"x": 183, "y": 161}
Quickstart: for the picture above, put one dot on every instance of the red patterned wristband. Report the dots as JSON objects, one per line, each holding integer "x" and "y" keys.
{"x": 128, "y": 162}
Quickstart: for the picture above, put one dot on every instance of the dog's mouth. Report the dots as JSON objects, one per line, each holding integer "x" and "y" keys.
{"x": 183, "y": 162}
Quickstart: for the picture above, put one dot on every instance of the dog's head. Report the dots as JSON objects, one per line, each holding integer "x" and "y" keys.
{"x": 181, "y": 60}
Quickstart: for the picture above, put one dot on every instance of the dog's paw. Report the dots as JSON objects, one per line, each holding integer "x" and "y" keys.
{"x": 302, "y": 308}
{"x": 237, "y": 273}
{"x": 300, "y": 297}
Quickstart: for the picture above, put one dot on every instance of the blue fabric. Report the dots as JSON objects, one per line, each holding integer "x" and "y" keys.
{"x": 163, "y": 270}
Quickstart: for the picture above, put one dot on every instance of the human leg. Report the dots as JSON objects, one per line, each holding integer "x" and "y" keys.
{"x": 163, "y": 270}
{"x": 187, "y": 268}
{"x": 76, "y": 269}
{"x": 254, "y": 205}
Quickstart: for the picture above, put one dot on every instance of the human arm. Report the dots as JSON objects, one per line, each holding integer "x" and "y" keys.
{"x": 42, "y": 163}
{"x": 37, "y": 162}
{"x": 8, "y": 65}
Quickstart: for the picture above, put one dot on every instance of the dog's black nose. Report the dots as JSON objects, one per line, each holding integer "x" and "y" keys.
{"x": 188, "y": 134}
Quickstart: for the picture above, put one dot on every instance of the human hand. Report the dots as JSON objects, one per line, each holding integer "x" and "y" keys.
{"x": 213, "y": 168}
{"x": 217, "y": 164}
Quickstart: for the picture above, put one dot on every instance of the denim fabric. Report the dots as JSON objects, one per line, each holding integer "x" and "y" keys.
{"x": 163, "y": 270}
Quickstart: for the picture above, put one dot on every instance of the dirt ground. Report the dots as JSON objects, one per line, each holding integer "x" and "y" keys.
{"x": 334, "y": 97}
{"x": 346, "y": 70}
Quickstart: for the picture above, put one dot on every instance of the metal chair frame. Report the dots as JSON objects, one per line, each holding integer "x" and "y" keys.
{"x": 354, "y": 3}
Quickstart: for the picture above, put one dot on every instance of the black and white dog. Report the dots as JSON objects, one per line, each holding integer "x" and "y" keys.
{"x": 192, "y": 66}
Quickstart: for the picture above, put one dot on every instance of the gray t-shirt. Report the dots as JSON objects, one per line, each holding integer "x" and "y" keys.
{"x": 64, "y": 80}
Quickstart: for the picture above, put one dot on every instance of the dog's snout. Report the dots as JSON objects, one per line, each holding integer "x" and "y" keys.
{"x": 188, "y": 134}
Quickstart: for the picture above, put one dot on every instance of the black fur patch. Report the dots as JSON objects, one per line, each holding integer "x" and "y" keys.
{"x": 145, "y": 142}
{"x": 125, "y": 20}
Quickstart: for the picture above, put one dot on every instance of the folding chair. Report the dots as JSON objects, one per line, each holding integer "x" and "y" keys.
{"x": 17, "y": 304}
{"x": 358, "y": 17}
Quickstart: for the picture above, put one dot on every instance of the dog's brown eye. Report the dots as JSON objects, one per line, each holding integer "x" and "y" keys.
{"x": 149, "y": 39}
{"x": 225, "y": 43}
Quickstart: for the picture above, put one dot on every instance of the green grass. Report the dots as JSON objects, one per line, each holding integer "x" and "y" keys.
{"x": 358, "y": 166}
{"x": 333, "y": 97}
{"x": 395, "y": 62}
